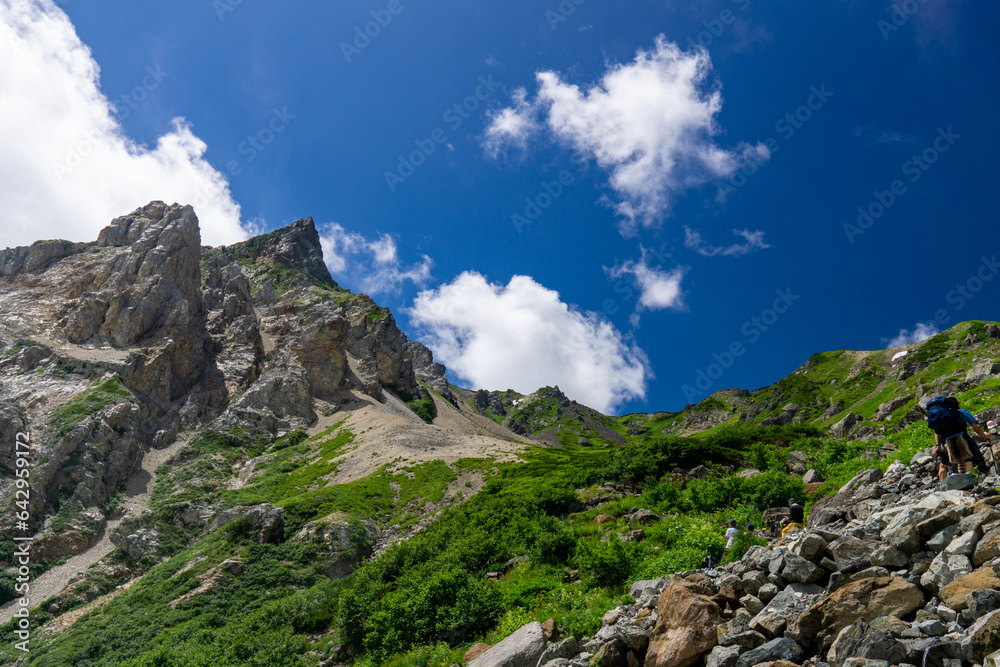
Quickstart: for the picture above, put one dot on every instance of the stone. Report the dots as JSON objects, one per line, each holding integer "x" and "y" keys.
{"x": 865, "y": 662}
{"x": 809, "y": 546}
{"x": 767, "y": 592}
{"x": 797, "y": 463}
{"x": 611, "y": 616}
{"x": 865, "y": 599}
{"x": 752, "y": 581}
{"x": 724, "y": 656}
{"x": 812, "y": 476}
{"x": 889, "y": 557}
{"x": 992, "y": 660}
{"x": 851, "y": 553}
{"x": 611, "y": 654}
{"x": 562, "y": 650}
{"x": 776, "y": 649}
{"x": 958, "y": 482}
{"x": 943, "y": 570}
{"x": 890, "y": 625}
{"x": 981, "y": 516}
{"x": 955, "y": 593}
{"x": 639, "y": 586}
{"x": 635, "y": 638}
{"x": 902, "y": 532}
{"x": 550, "y": 630}
{"x": 941, "y": 540}
{"x": 860, "y": 640}
{"x": 685, "y": 626}
{"x": 781, "y": 612}
{"x": 987, "y": 548}
{"x": 862, "y": 478}
{"x": 521, "y": 649}
{"x": 798, "y": 570}
{"x": 982, "y": 602}
{"x": 963, "y": 545}
{"x": 983, "y": 637}
{"x": 642, "y": 517}
{"x": 748, "y": 639}
{"x": 751, "y": 604}
{"x": 929, "y": 651}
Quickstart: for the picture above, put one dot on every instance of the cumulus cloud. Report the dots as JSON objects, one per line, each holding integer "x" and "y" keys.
{"x": 522, "y": 336}
{"x": 66, "y": 166}
{"x": 369, "y": 266}
{"x": 650, "y": 123}
{"x": 751, "y": 241}
{"x": 920, "y": 332}
{"x": 658, "y": 289}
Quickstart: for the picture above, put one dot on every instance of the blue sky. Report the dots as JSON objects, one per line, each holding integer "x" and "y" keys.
{"x": 656, "y": 257}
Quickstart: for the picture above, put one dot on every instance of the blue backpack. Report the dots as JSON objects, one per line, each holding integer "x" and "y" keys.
{"x": 943, "y": 417}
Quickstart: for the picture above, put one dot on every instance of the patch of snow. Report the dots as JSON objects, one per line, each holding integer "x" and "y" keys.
{"x": 900, "y": 355}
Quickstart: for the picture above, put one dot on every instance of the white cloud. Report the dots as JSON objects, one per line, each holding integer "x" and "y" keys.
{"x": 752, "y": 241}
{"x": 522, "y": 336}
{"x": 66, "y": 167}
{"x": 650, "y": 123}
{"x": 658, "y": 289}
{"x": 920, "y": 332}
{"x": 372, "y": 267}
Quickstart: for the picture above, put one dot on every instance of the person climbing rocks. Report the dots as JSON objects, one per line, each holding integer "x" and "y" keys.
{"x": 948, "y": 424}
{"x": 796, "y": 517}
{"x": 731, "y": 534}
{"x": 977, "y": 454}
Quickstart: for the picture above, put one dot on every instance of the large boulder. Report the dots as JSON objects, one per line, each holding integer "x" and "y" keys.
{"x": 860, "y": 640}
{"x": 685, "y": 626}
{"x": 521, "y": 649}
{"x": 865, "y": 599}
{"x": 864, "y": 477}
{"x": 955, "y": 593}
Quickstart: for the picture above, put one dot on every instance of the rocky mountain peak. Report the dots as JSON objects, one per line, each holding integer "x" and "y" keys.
{"x": 296, "y": 247}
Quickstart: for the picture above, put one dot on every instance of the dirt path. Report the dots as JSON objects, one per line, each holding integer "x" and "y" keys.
{"x": 135, "y": 501}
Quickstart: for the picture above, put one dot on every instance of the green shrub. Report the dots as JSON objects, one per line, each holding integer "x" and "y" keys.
{"x": 608, "y": 563}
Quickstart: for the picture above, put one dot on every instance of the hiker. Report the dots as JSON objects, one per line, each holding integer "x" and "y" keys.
{"x": 977, "y": 453}
{"x": 948, "y": 425}
{"x": 731, "y": 534}
{"x": 796, "y": 517}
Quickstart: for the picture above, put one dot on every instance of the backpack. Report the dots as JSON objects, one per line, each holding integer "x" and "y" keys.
{"x": 943, "y": 417}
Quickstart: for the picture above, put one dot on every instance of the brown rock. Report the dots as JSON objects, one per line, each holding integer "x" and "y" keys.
{"x": 866, "y": 599}
{"x": 811, "y": 490}
{"x": 475, "y": 651}
{"x": 988, "y": 547}
{"x": 984, "y": 636}
{"x": 603, "y": 518}
{"x": 550, "y": 630}
{"x": 685, "y": 627}
{"x": 953, "y": 595}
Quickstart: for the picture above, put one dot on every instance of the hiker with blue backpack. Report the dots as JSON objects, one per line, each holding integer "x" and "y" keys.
{"x": 945, "y": 418}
